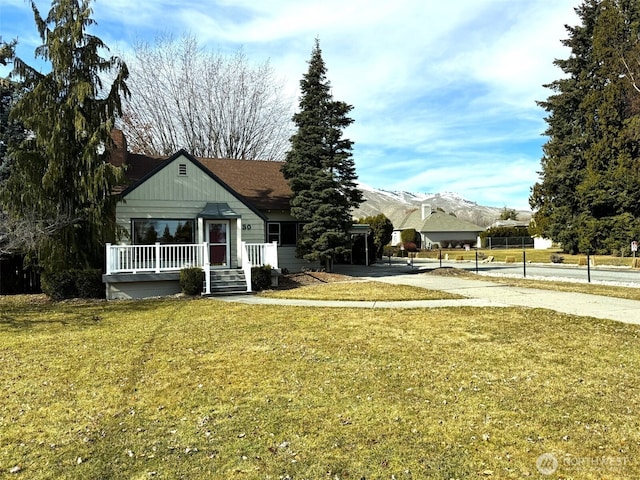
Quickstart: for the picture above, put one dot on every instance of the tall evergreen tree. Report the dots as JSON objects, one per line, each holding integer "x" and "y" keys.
{"x": 320, "y": 168}
{"x": 588, "y": 196}
{"x": 11, "y": 132}
{"x": 60, "y": 181}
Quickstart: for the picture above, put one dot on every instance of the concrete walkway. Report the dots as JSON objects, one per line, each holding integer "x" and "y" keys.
{"x": 477, "y": 293}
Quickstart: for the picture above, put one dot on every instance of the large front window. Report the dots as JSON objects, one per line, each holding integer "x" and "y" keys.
{"x": 150, "y": 231}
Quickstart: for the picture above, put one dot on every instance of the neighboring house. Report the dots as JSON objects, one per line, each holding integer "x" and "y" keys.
{"x": 509, "y": 223}
{"x": 437, "y": 228}
{"x": 218, "y": 214}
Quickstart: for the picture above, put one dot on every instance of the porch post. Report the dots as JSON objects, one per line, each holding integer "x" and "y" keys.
{"x": 274, "y": 260}
{"x": 239, "y": 252}
{"x": 108, "y": 259}
{"x": 246, "y": 265}
{"x": 201, "y": 234}
{"x": 157, "y": 257}
{"x": 207, "y": 268}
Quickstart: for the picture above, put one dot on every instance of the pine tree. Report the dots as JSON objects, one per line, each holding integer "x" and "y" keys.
{"x": 61, "y": 182}
{"x": 508, "y": 214}
{"x": 588, "y": 196}
{"x": 381, "y": 230}
{"x": 11, "y": 132}
{"x": 320, "y": 168}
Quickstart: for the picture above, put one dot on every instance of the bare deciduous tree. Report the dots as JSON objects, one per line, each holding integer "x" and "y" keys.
{"x": 210, "y": 104}
{"x": 26, "y": 233}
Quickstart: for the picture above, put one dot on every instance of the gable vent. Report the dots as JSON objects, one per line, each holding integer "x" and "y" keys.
{"x": 182, "y": 169}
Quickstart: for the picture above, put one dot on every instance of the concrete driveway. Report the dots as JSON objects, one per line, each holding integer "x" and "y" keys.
{"x": 476, "y": 293}
{"x": 489, "y": 293}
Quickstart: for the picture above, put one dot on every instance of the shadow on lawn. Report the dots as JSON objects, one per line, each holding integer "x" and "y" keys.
{"x": 35, "y": 312}
{"x": 8, "y": 323}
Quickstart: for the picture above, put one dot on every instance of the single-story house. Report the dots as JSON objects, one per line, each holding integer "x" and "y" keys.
{"x": 509, "y": 223}
{"x": 437, "y": 228}
{"x": 221, "y": 215}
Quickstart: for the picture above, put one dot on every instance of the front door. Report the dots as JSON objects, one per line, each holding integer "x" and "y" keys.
{"x": 218, "y": 237}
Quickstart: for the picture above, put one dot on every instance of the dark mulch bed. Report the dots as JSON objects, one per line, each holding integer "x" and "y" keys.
{"x": 450, "y": 272}
{"x": 293, "y": 280}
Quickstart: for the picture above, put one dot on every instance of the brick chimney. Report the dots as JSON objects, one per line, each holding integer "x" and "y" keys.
{"x": 118, "y": 154}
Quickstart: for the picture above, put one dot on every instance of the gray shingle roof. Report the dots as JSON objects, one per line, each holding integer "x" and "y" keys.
{"x": 437, "y": 222}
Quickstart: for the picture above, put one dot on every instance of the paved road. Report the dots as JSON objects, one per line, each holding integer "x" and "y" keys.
{"x": 599, "y": 274}
{"x": 477, "y": 293}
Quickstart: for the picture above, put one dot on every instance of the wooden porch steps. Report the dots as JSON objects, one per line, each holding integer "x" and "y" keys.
{"x": 228, "y": 282}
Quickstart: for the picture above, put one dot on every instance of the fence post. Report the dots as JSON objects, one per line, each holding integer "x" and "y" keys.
{"x": 476, "y": 261}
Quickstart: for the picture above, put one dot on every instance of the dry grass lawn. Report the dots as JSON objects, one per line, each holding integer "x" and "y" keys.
{"x": 359, "y": 291}
{"x": 628, "y": 293}
{"x": 199, "y": 388}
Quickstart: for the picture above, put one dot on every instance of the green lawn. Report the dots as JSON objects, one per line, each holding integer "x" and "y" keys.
{"x": 199, "y": 388}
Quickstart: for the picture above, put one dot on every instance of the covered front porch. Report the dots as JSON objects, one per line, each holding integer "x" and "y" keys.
{"x": 139, "y": 271}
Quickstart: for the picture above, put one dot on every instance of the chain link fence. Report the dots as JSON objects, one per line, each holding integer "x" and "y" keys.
{"x": 495, "y": 243}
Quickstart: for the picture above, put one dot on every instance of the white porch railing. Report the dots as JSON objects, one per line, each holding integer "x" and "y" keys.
{"x": 159, "y": 258}
{"x": 260, "y": 254}
{"x": 155, "y": 258}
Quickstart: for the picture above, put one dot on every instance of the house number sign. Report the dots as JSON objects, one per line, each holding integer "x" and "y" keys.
{"x": 246, "y": 226}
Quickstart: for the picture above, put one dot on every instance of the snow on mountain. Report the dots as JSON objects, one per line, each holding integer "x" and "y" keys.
{"x": 396, "y": 204}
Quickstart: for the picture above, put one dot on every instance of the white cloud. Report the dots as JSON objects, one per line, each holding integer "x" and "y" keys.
{"x": 488, "y": 181}
{"x": 434, "y": 84}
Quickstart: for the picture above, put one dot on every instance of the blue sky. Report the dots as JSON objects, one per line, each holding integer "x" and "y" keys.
{"x": 444, "y": 93}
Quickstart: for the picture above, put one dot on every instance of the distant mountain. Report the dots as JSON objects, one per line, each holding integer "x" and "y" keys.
{"x": 395, "y": 205}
